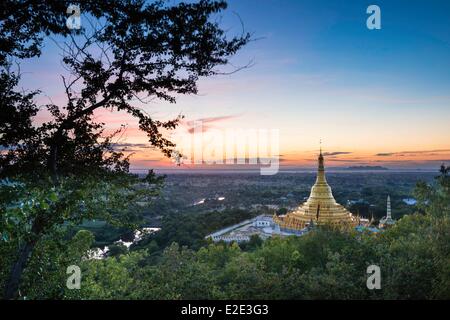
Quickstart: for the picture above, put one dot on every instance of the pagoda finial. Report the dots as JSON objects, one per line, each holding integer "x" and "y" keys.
{"x": 388, "y": 208}
{"x": 320, "y": 146}
{"x": 321, "y": 167}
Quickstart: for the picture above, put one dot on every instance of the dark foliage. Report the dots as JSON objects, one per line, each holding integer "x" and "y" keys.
{"x": 128, "y": 51}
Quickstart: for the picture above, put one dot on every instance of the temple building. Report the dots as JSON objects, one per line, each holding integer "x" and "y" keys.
{"x": 387, "y": 220}
{"x": 320, "y": 208}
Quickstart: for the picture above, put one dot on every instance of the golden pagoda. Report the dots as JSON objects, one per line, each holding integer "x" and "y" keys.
{"x": 320, "y": 208}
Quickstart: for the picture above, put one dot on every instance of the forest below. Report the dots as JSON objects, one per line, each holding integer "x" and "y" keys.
{"x": 413, "y": 256}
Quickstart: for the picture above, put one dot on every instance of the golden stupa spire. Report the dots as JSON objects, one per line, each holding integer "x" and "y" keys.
{"x": 321, "y": 192}
{"x": 321, "y": 168}
{"x": 320, "y": 207}
{"x": 320, "y": 146}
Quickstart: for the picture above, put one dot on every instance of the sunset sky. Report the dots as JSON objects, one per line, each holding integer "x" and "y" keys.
{"x": 374, "y": 97}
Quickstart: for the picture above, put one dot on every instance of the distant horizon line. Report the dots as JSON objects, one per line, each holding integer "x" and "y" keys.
{"x": 281, "y": 170}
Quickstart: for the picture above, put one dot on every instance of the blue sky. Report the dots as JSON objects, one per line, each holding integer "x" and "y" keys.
{"x": 319, "y": 73}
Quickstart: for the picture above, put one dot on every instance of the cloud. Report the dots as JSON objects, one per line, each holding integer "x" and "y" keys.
{"x": 333, "y": 160}
{"x": 348, "y": 160}
{"x": 425, "y": 151}
{"x": 385, "y": 154}
{"x": 150, "y": 160}
{"x": 335, "y": 153}
{"x": 130, "y": 146}
{"x": 204, "y": 124}
{"x": 402, "y": 153}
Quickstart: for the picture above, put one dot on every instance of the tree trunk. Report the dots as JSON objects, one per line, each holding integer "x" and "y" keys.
{"x": 12, "y": 285}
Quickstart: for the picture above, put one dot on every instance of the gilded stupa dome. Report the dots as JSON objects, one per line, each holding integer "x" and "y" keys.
{"x": 320, "y": 208}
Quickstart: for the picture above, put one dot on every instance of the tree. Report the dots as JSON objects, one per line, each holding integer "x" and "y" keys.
{"x": 66, "y": 169}
{"x": 435, "y": 199}
{"x": 116, "y": 250}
